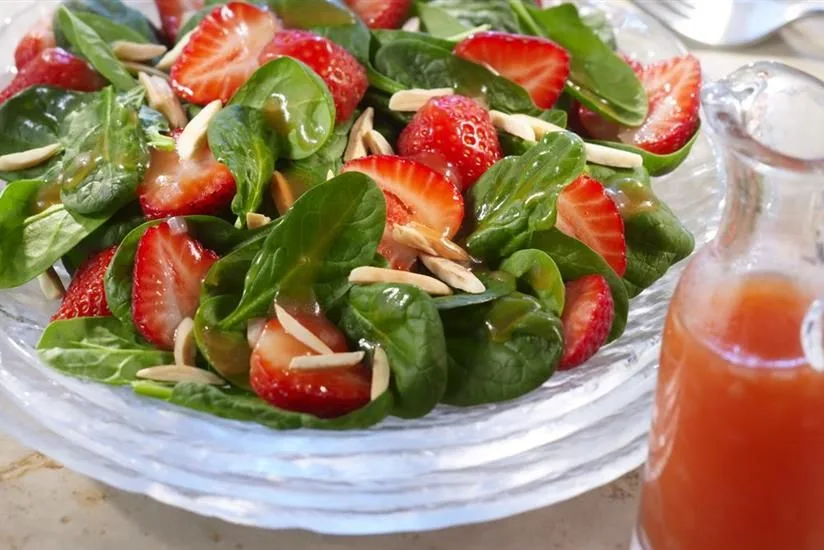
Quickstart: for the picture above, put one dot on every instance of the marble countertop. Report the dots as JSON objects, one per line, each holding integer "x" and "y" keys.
{"x": 47, "y": 507}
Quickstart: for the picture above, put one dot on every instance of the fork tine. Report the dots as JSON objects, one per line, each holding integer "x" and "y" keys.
{"x": 661, "y": 9}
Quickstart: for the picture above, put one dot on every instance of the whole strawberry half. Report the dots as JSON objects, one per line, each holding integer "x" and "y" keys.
{"x": 587, "y": 318}
{"x": 673, "y": 89}
{"x": 176, "y": 187}
{"x": 343, "y": 74}
{"x": 325, "y": 393}
{"x": 54, "y": 67}
{"x": 86, "y": 296}
{"x": 173, "y": 13}
{"x": 539, "y": 65}
{"x": 456, "y": 130}
{"x": 169, "y": 267}
{"x": 381, "y": 14}
{"x": 38, "y": 38}
{"x": 413, "y": 192}
{"x": 588, "y": 213}
{"x": 223, "y": 52}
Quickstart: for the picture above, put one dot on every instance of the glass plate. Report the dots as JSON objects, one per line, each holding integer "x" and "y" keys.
{"x": 456, "y": 466}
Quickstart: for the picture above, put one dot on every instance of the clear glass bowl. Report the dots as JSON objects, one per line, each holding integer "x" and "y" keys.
{"x": 580, "y": 430}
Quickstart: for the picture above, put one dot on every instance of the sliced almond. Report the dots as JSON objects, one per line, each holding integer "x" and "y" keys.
{"x": 185, "y": 347}
{"x": 539, "y": 127}
{"x": 254, "y": 330}
{"x": 136, "y": 68}
{"x": 136, "y": 51}
{"x": 330, "y": 175}
{"x": 490, "y": 68}
{"x": 195, "y": 132}
{"x": 171, "y": 56}
{"x": 413, "y": 24}
{"x": 376, "y": 144}
{"x": 300, "y": 333}
{"x": 410, "y": 101}
{"x": 368, "y": 275}
{"x": 380, "y": 373}
{"x": 420, "y": 237}
{"x": 256, "y": 221}
{"x": 27, "y": 159}
{"x": 453, "y": 274}
{"x": 512, "y": 125}
{"x": 335, "y": 360}
{"x": 177, "y": 373}
{"x": 282, "y": 193}
{"x": 355, "y": 147}
{"x": 51, "y": 285}
{"x": 161, "y": 97}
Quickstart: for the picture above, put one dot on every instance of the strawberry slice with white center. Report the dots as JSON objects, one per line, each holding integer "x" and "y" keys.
{"x": 588, "y": 213}
{"x": 325, "y": 393}
{"x": 381, "y": 14}
{"x": 223, "y": 52}
{"x": 587, "y": 319}
{"x": 169, "y": 267}
{"x": 413, "y": 192}
{"x": 673, "y": 89}
{"x": 539, "y": 65}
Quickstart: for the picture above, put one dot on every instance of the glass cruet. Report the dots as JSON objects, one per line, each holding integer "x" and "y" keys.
{"x": 737, "y": 440}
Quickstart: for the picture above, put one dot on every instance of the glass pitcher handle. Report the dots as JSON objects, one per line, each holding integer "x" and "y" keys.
{"x": 812, "y": 335}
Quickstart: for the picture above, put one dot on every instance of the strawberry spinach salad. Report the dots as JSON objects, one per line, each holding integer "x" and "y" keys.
{"x": 311, "y": 213}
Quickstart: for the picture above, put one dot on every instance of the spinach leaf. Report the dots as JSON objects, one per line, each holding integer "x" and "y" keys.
{"x": 513, "y": 145}
{"x": 33, "y": 118}
{"x": 384, "y": 37}
{"x": 575, "y": 260}
{"x": 539, "y": 272}
{"x": 404, "y": 321}
{"x": 107, "y": 29}
{"x": 238, "y": 404}
{"x": 109, "y": 234}
{"x": 517, "y": 196}
{"x": 213, "y": 233}
{"x": 439, "y": 22}
{"x": 474, "y": 13}
{"x": 226, "y": 350}
{"x": 241, "y": 139}
{"x": 329, "y": 231}
{"x": 598, "y": 77}
{"x": 98, "y": 348}
{"x": 195, "y": 19}
{"x": 313, "y": 170}
{"x": 597, "y": 20}
{"x": 106, "y": 156}
{"x": 36, "y": 230}
{"x": 113, "y": 11}
{"x": 497, "y": 283}
{"x": 228, "y": 275}
{"x": 500, "y": 351}
{"x": 295, "y": 102}
{"x": 156, "y": 129}
{"x": 83, "y": 38}
{"x": 657, "y": 165}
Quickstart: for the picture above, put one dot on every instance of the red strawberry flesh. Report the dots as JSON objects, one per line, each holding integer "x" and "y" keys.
{"x": 587, "y": 318}
{"x": 173, "y": 13}
{"x": 86, "y": 296}
{"x": 54, "y": 67}
{"x": 40, "y": 37}
{"x": 381, "y": 14}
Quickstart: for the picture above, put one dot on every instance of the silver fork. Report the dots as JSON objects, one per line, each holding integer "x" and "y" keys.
{"x": 729, "y": 22}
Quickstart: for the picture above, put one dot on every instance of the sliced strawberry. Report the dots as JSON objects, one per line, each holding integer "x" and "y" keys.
{"x": 381, "y": 14}
{"x": 413, "y": 192}
{"x": 175, "y": 187}
{"x": 325, "y": 393}
{"x": 40, "y": 37}
{"x": 456, "y": 129}
{"x": 588, "y": 213}
{"x": 173, "y": 13}
{"x": 169, "y": 266}
{"x": 343, "y": 74}
{"x": 539, "y": 65}
{"x": 587, "y": 319}
{"x": 86, "y": 296}
{"x": 223, "y": 52}
{"x": 55, "y": 67}
{"x": 672, "y": 88}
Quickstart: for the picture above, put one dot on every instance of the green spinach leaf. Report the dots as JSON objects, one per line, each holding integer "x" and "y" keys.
{"x": 439, "y": 22}
{"x": 516, "y": 146}
{"x": 657, "y": 165}
{"x": 109, "y": 234}
{"x": 226, "y": 350}
{"x": 195, "y": 19}
{"x": 597, "y": 20}
{"x": 497, "y": 283}
{"x": 156, "y": 129}
{"x": 384, "y": 37}
{"x": 474, "y": 13}
{"x": 313, "y": 170}
{"x": 113, "y": 11}
{"x": 540, "y": 273}
{"x": 228, "y": 275}
{"x": 107, "y": 29}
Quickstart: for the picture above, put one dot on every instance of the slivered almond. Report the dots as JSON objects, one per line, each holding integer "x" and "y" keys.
{"x": 256, "y": 221}
{"x": 300, "y": 333}
{"x": 27, "y": 159}
{"x": 425, "y": 239}
{"x": 136, "y": 51}
{"x": 412, "y": 100}
{"x": 50, "y": 284}
{"x": 512, "y": 125}
{"x": 171, "y": 56}
{"x": 368, "y": 275}
{"x": 195, "y": 132}
{"x": 490, "y": 68}
{"x": 254, "y": 330}
{"x": 333, "y": 361}
{"x": 161, "y": 97}
{"x": 376, "y": 144}
{"x": 380, "y": 373}
{"x": 177, "y": 373}
{"x": 539, "y": 127}
{"x": 282, "y": 193}
{"x": 136, "y": 68}
{"x": 330, "y": 175}
{"x": 184, "y": 350}
{"x": 355, "y": 147}
{"x": 413, "y": 24}
{"x": 453, "y": 274}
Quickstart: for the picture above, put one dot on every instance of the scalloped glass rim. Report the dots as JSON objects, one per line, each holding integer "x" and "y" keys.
{"x": 580, "y": 430}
